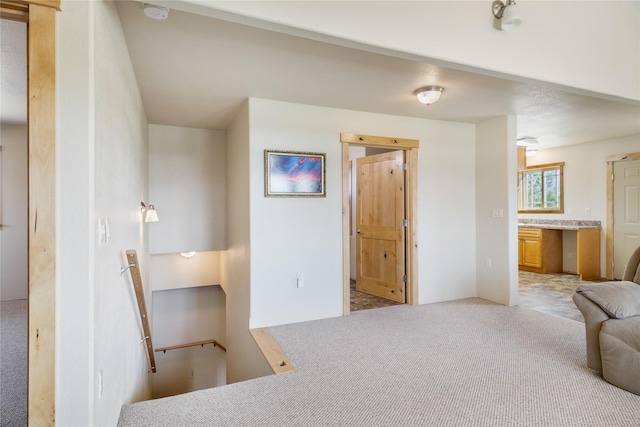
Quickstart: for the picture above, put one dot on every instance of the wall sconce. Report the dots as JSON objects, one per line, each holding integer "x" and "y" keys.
{"x": 149, "y": 213}
{"x": 428, "y": 94}
{"x": 507, "y": 14}
{"x": 188, "y": 255}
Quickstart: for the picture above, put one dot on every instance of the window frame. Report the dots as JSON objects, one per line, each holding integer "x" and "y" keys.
{"x": 559, "y": 166}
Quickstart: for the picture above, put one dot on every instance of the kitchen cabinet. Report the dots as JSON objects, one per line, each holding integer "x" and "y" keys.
{"x": 540, "y": 250}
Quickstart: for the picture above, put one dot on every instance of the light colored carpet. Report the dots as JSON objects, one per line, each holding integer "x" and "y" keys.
{"x": 461, "y": 363}
{"x": 13, "y": 363}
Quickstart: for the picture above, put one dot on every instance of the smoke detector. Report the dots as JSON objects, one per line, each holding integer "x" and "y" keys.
{"x": 152, "y": 11}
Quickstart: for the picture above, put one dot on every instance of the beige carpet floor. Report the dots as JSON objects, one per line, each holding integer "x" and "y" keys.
{"x": 460, "y": 363}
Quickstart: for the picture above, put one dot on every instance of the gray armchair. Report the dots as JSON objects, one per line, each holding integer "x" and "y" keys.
{"x": 611, "y": 313}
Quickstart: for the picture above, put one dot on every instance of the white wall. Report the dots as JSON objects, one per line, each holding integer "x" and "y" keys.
{"x": 173, "y": 271}
{"x": 13, "y": 215}
{"x": 290, "y": 235}
{"x": 244, "y": 359}
{"x": 548, "y": 47}
{"x": 585, "y": 182}
{"x": 497, "y": 242}
{"x": 187, "y": 186}
{"x": 184, "y": 316}
{"x": 101, "y": 173}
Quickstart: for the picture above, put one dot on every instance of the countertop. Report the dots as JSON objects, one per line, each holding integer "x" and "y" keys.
{"x": 559, "y": 224}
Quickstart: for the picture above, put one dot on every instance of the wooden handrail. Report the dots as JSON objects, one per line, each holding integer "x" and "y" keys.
{"x": 193, "y": 344}
{"x": 132, "y": 258}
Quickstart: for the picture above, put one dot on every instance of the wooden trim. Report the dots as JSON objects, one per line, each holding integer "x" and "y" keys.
{"x": 41, "y": 37}
{"x": 410, "y": 146}
{"x": 619, "y": 157}
{"x": 545, "y": 166}
{"x": 346, "y": 233}
{"x": 14, "y": 11}
{"x": 609, "y": 231}
{"x": 589, "y": 254}
{"x": 378, "y": 141}
{"x": 192, "y": 344}
{"x": 412, "y": 233}
{"x": 276, "y": 358}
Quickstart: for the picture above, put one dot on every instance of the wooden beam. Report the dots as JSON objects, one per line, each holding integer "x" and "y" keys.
{"x": 42, "y": 220}
{"x": 276, "y": 358}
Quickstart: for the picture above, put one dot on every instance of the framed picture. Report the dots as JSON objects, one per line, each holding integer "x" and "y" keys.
{"x": 294, "y": 174}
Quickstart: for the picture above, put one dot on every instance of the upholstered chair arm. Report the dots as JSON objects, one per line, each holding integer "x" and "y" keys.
{"x": 594, "y": 317}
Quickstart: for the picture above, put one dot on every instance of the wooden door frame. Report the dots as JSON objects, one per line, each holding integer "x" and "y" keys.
{"x": 410, "y": 146}
{"x": 609, "y": 233}
{"x": 40, "y": 16}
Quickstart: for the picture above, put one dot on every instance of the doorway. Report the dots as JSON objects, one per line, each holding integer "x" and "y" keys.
{"x": 406, "y": 282}
{"x": 623, "y": 212}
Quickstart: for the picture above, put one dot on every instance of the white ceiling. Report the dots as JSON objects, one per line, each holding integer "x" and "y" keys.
{"x": 195, "y": 71}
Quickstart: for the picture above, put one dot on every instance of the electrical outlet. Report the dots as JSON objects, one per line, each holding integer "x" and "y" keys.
{"x": 487, "y": 262}
{"x": 299, "y": 280}
{"x": 587, "y": 211}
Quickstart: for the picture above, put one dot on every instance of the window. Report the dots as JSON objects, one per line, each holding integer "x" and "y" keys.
{"x": 540, "y": 189}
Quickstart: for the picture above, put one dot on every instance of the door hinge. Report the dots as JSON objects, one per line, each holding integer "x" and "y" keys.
{"x": 404, "y": 166}
{"x": 404, "y": 278}
{"x": 405, "y": 223}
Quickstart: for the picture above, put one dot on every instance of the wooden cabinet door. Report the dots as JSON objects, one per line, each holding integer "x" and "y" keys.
{"x": 532, "y": 252}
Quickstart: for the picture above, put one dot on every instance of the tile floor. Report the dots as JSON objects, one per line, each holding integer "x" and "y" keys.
{"x": 548, "y": 293}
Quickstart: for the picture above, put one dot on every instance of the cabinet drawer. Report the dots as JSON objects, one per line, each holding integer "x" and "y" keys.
{"x": 528, "y": 233}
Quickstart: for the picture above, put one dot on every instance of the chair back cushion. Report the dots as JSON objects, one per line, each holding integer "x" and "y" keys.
{"x": 618, "y": 299}
{"x": 632, "y": 272}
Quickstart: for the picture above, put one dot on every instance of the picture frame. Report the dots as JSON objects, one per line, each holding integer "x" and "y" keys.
{"x": 294, "y": 174}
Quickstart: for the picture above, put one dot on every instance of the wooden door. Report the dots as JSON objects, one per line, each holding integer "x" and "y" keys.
{"x": 380, "y": 239}
{"x": 626, "y": 213}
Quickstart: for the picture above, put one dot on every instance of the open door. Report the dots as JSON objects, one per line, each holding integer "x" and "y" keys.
{"x": 380, "y": 226}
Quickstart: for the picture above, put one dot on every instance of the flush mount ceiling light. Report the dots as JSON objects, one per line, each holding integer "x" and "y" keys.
{"x": 507, "y": 14}
{"x": 527, "y": 141}
{"x": 188, "y": 255}
{"x": 152, "y": 11}
{"x": 428, "y": 94}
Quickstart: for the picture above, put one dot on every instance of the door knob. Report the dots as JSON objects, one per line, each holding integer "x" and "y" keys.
{"x": 358, "y": 231}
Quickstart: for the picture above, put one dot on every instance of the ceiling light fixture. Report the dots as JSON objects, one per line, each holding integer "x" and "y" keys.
{"x": 527, "y": 141}
{"x": 507, "y": 14}
{"x": 188, "y": 255}
{"x": 152, "y": 11}
{"x": 428, "y": 94}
